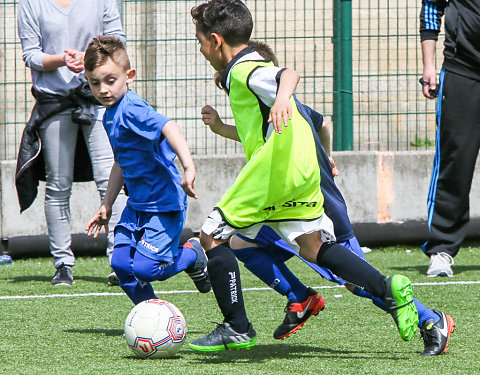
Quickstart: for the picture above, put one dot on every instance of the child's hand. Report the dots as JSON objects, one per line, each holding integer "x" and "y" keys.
{"x": 335, "y": 172}
{"x": 281, "y": 111}
{"x": 187, "y": 182}
{"x": 99, "y": 220}
{"x": 74, "y": 60}
{"x": 211, "y": 118}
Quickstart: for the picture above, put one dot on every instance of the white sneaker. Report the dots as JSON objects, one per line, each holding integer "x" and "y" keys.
{"x": 440, "y": 265}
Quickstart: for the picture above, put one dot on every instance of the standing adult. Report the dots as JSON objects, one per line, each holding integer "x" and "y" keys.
{"x": 66, "y": 117}
{"x": 458, "y": 123}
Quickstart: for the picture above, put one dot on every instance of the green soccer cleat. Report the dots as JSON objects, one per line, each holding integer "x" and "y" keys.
{"x": 225, "y": 337}
{"x": 399, "y": 301}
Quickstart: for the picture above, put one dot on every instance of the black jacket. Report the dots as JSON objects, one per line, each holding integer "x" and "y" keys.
{"x": 30, "y": 164}
{"x": 462, "y": 33}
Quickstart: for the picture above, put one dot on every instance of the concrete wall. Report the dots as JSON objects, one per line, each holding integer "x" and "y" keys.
{"x": 379, "y": 187}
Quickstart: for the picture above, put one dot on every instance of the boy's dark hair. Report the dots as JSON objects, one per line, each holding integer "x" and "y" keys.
{"x": 263, "y": 49}
{"x": 229, "y": 18}
{"x": 103, "y": 47}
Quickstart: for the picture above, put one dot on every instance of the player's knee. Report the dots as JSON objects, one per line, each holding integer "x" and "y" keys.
{"x": 119, "y": 265}
{"x": 143, "y": 273}
{"x": 239, "y": 243}
{"x": 61, "y": 193}
{"x": 206, "y": 240}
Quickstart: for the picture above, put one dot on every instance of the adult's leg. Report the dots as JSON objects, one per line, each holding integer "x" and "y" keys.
{"x": 59, "y": 136}
{"x": 101, "y": 156}
{"x": 457, "y": 146}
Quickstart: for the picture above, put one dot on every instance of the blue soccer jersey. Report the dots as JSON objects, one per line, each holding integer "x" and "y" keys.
{"x": 134, "y": 129}
{"x": 333, "y": 203}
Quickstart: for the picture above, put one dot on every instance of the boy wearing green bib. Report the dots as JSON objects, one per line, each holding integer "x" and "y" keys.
{"x": 279, "y": 186}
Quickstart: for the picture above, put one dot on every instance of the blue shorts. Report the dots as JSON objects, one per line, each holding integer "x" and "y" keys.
{"x": 154, "y": 235}
{"x": 267, "y": 239}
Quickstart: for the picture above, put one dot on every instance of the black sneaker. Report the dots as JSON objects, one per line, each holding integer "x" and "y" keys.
{"x": 198, "y": 272}
{"x": 435, "y": 335}
{"x": 112, "y": 279}
{"x": 224, "y": 337}
{"x": 296, "y": 314}
{"x": 63, "y": 276}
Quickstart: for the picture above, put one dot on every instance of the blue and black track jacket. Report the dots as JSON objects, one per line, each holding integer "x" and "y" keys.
{"x": 462, "y": 33}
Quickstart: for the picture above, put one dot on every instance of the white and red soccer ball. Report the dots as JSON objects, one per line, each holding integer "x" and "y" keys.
{"x": 155, "y": 329}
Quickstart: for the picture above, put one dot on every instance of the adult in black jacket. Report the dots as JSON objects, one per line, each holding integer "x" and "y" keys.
{"x": 458, "y": 123}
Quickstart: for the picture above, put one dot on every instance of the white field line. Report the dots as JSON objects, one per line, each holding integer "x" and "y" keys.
{"x": 161, "y": 292}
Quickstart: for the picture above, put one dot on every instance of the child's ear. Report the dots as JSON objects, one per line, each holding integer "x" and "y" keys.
{"x": 217, "y": 39}
{"x": 130, "y": 75}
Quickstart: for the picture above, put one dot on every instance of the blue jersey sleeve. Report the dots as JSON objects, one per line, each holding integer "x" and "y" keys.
{"x": 144, "y": 121}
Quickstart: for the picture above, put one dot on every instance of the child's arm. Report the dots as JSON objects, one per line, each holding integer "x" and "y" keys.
{"x": 324, "y": 135}
{"x": 102, "y": 217}
{"x": 177, "y": 141}
{"x": 211, "y": 118}
{"x": 282, "y": 108}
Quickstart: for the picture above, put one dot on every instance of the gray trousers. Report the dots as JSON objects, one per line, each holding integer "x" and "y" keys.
{"x": 59, "y": 137}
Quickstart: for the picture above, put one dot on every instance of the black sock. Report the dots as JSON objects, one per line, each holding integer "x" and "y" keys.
{"x": 225, "y": 278}
{"x": 351, "y": 268}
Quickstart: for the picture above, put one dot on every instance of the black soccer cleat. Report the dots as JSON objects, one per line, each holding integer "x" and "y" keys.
{"x": 296, "y": 314}
{"x": 225, "y": 337}
{"x": 63, "y": 276}
{"x": 198, "y": 272}
{"x": 436, "y": 335}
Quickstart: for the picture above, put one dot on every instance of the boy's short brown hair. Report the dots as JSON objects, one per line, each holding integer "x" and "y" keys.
{"x": 103, "y": 47}
{"x": 229, "y": 18}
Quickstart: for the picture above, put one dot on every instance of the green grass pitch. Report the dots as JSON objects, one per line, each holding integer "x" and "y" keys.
{"x": 71, "y": 332}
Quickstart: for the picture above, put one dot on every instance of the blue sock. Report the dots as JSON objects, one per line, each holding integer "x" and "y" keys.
{"x": 272, "y": 272}
{"x": 185, "y": 258}
{"x": 122, "y": 261}
{"x": 298, "y": 290}
{"x": 424, "y": 313}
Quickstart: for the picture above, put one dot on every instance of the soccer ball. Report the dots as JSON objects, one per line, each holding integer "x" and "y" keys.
{"x": 155, "y": 329}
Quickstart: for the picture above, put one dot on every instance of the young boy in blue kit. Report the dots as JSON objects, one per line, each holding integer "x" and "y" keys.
{"x": 144, "y": 144}
{"x": 279, "y": 186}
{"x": 267, "y": 261}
